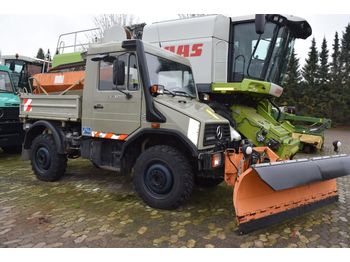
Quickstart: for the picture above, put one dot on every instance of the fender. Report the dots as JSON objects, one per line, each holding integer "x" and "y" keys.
{"x": 151, "y": 131}
{"x": 37, "y": 128}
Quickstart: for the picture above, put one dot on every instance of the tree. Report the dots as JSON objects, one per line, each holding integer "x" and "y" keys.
{"x": 345, "y": 73}
{"x": 345, "y": 56}
{"x": 310, "y": 68}
{"x": 292, "y": 81}
{"x": 323, "y": 69}
{"x": 335, "y": 65}
{"x": 40, "y": 54}
{"x": 308, "y": 103}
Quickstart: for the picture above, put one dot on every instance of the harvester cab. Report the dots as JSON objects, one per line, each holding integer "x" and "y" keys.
{"x": 240, "y": 62}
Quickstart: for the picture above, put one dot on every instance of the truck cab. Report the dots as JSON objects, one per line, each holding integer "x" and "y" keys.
{"x": 138, "y": 110}
{"x": 11, "y": 134}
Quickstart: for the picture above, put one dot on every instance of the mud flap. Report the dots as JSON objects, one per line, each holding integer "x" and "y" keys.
{"x": 294, "y": 173}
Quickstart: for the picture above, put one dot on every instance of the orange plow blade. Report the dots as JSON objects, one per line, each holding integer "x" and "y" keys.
{"x": 266, "y": 193}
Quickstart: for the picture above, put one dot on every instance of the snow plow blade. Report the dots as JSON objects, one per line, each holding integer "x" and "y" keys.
{"x": 266, "y": 193}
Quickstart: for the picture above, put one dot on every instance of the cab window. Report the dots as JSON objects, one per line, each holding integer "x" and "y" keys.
{"x": 131, "y": 82}
{"x": 5, "y": 82}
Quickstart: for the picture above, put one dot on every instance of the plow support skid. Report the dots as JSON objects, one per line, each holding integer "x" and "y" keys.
{"x": 267, "y": 193}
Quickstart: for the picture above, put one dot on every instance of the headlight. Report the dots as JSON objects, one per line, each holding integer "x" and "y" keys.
{"x": 235, "y": 136}
{"x": 193, "y": 131}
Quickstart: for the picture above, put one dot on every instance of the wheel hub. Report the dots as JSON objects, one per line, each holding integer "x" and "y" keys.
{"x": 43, "y": 159}
{"x": 158, "y": 179}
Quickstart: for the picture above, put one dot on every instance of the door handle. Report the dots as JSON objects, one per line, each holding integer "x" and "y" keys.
{"x": 98, "y": 106}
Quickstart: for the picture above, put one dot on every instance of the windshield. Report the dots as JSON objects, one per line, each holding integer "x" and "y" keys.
{"x": 175, "y": 77}
{"x": 271, "y": 56}
{"x": 5, "y": 82}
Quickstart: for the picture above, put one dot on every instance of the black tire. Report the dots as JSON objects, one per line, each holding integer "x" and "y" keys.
{"x": 47, "y": 164}
{"x": 163, "y": 177}
{"x": 12, "y": 149}
{"x": 309, "y": 149}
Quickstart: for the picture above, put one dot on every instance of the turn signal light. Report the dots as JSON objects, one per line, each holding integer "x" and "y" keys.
{"x": 216, "y": 160}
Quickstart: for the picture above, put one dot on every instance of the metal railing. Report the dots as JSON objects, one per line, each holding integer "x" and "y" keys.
{"x": 76, "y": 46}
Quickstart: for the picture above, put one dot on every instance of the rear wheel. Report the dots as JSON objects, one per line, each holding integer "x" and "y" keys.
{"x": 163, "y": 177}
{"x": 47, "y": 163}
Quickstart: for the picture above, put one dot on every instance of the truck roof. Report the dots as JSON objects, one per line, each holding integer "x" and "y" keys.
{"x": 117, "y": 46}
{"x": 216, "y": 26}
{"x": 24, "y": 58}
{"x": 291, "y": 18}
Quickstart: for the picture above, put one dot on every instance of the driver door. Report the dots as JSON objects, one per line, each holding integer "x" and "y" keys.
{"x": 112, "y": 112}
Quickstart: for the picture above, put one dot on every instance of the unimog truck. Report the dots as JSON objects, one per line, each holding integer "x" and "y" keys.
{"x": 138, "y": 110}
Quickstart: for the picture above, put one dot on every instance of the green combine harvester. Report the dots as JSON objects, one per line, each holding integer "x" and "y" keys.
{"x": 239, "y": 65}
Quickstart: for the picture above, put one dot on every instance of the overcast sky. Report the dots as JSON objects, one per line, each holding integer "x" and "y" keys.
{"x": 24, "y": 34}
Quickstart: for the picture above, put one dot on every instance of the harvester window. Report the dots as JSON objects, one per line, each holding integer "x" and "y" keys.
{"x": 270, "y": 59}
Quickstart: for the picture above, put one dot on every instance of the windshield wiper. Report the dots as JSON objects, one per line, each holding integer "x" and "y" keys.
{"x": 184, "y": 93}
{"x": 169, "y": 92}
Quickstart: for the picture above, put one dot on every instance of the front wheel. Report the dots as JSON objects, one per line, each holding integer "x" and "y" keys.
{"x": 163, "y": 177}
{"x": 47, "y": 163}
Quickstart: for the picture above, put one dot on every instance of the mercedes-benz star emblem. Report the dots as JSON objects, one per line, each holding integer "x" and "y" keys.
{"x": 219, "y": 132}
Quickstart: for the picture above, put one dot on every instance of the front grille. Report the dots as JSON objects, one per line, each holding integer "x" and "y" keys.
{"x": 9, "y": 113}
{"x": 210, "y": 134}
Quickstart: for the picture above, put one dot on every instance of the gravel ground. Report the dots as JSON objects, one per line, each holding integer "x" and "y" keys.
{"x": 94, "y": 208}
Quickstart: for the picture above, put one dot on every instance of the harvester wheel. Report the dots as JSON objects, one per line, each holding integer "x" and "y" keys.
{"x": 47, "y": 164}
{"x": 309, "y": 149}
{"x": 163, "y": 177}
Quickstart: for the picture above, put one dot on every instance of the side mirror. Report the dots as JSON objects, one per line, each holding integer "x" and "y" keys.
{"x": 260, "y": 23}
{"x": 118, "y": 72}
